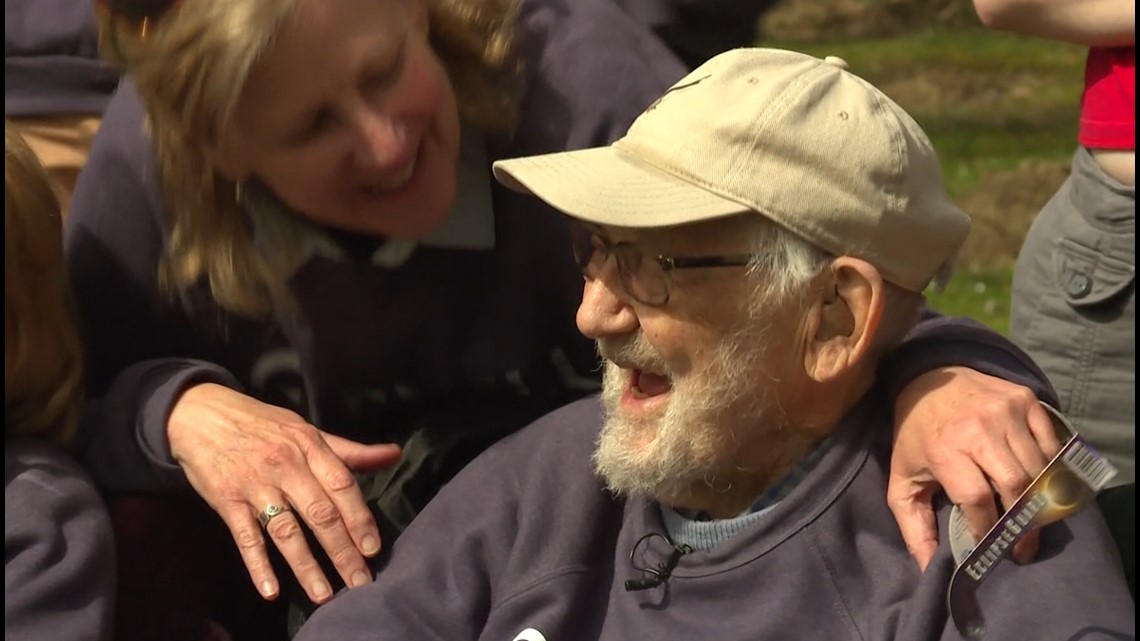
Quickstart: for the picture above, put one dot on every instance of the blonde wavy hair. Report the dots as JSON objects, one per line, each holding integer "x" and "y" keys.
{"x": 42, "y": 354}
{"x": 190, "y": 67}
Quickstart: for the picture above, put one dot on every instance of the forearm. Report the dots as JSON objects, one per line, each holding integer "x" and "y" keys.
{"x": 940, "y": 341}
{"x": 122, "y": 437}
{"x": 1104, "y": 23}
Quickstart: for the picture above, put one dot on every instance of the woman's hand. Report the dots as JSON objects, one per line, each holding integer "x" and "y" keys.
{"x": 971, "y": 434}
{"x": 242, "y": 455}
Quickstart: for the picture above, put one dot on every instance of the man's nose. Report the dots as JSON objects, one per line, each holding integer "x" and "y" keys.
{"x": 604, "y": 310}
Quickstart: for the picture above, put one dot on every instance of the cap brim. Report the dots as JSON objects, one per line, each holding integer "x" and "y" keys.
{"x": 607, "y": 187}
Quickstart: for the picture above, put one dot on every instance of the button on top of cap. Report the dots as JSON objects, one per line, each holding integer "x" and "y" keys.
{"x": 836, "y": 61}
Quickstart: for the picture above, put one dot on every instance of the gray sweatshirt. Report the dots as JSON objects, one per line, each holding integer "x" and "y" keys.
{"x": 527, "y": 545}
{"x": 59, "y": 553}
{"x": 51, "y": 59}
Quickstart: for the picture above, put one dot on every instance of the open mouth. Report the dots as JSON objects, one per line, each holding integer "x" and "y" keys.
{"x": 396, "y": 180}
{"x": 643, "y": 385}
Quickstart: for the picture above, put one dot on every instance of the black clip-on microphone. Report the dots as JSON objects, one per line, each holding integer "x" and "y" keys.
{"x": 659, "y": 574}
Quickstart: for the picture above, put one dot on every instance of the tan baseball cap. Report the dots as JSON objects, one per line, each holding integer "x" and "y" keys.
{"x": 800, "y": 140}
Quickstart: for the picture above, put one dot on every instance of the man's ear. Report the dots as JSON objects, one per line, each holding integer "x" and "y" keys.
{"x": 842, "y": 322}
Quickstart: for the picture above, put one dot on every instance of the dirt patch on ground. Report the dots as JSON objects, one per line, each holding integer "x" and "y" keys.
{"x": 1003, "y": 206}
{"x": 820, "y": 20}
{"x": 1004, "y": 202}
{"x": 987, "y": 96}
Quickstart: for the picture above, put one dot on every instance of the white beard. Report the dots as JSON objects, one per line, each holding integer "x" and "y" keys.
{"x": 693, "y": 441}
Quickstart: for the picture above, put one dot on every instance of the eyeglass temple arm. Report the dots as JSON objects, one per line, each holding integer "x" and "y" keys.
{"x": 689, "y": 262}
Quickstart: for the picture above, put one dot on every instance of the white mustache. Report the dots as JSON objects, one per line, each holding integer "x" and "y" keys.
{"x": 633, "y": 352}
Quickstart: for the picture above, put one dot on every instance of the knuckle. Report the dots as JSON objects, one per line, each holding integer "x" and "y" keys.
{"x": 283, "y": 528}
{"x": 1023, "y": 396}
{"x": 321, "y": 513}
{"x": 976, "y": 497}
{"x": 894, "y": 493}
{"x": 978, "y": 450}
{"x": 305, "y": 438}
{"x": 248, "y": 538}
{"x": 339, "y": 480}
{"x": 973, "y": 426}
{"x": 299, "y": 429}
{"x": 289, "y": 418}
{"x": 993, "y": 406}
{"x": 230, "y": 496}
{"x": 360, "y": 520}
{"x": 939, "y": 456}
{"x": 1012, "y": 479}
{"x": 344, "y": 556}
{"x": 278, "y": 454}
{"x": 259, "y": 563}
{"x": 308, "y": 571}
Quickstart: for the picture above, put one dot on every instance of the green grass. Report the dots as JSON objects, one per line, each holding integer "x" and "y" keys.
{"x": 989, "y": 101}
{"x": 972, "y": 47}
{"x": 993, "y": 99}
{"x": 982, "y": 295}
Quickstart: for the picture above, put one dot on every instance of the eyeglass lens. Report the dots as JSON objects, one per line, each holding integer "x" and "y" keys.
{"x": 643, "y": 279}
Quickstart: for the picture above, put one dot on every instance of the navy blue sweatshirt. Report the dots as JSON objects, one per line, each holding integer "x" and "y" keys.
{"x": 697, "y": 30}
{"x": 59, "y": 551}
{"x": 51, "y": 59}
{"x": 526, "y": 544}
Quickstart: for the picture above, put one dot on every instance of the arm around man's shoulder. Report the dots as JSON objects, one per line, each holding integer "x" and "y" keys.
{"x": 943, "y": 341}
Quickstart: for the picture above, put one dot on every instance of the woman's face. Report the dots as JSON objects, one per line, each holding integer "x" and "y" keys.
{"x": 350, "y": 119}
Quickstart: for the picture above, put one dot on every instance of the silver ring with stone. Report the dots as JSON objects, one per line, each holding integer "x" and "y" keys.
{"x": 269, "y": 512}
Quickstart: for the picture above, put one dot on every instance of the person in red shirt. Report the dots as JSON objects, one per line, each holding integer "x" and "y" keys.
{"x": 1074, "y": 291}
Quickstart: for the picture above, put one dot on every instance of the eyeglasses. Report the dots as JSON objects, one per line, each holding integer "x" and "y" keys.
{"x": 644, "y": 278}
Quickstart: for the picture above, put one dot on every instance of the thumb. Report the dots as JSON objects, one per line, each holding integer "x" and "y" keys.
{"x": 359, "y": 457}
{"x": 918, "y": 525}
{"x": 1025, "y": 551}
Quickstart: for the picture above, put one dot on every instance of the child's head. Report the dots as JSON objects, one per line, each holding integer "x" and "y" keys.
{"x": 42, "y": 353}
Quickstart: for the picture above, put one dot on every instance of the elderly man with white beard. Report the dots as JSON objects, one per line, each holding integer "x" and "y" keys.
{"x": 752, "y": 249}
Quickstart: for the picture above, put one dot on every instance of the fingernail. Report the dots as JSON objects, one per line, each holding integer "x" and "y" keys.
{"x": 268, "y": 590}
{"x": 370, "y": 544}
{"x": 360, "y": 578}
{"x": 320, "y": 590}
